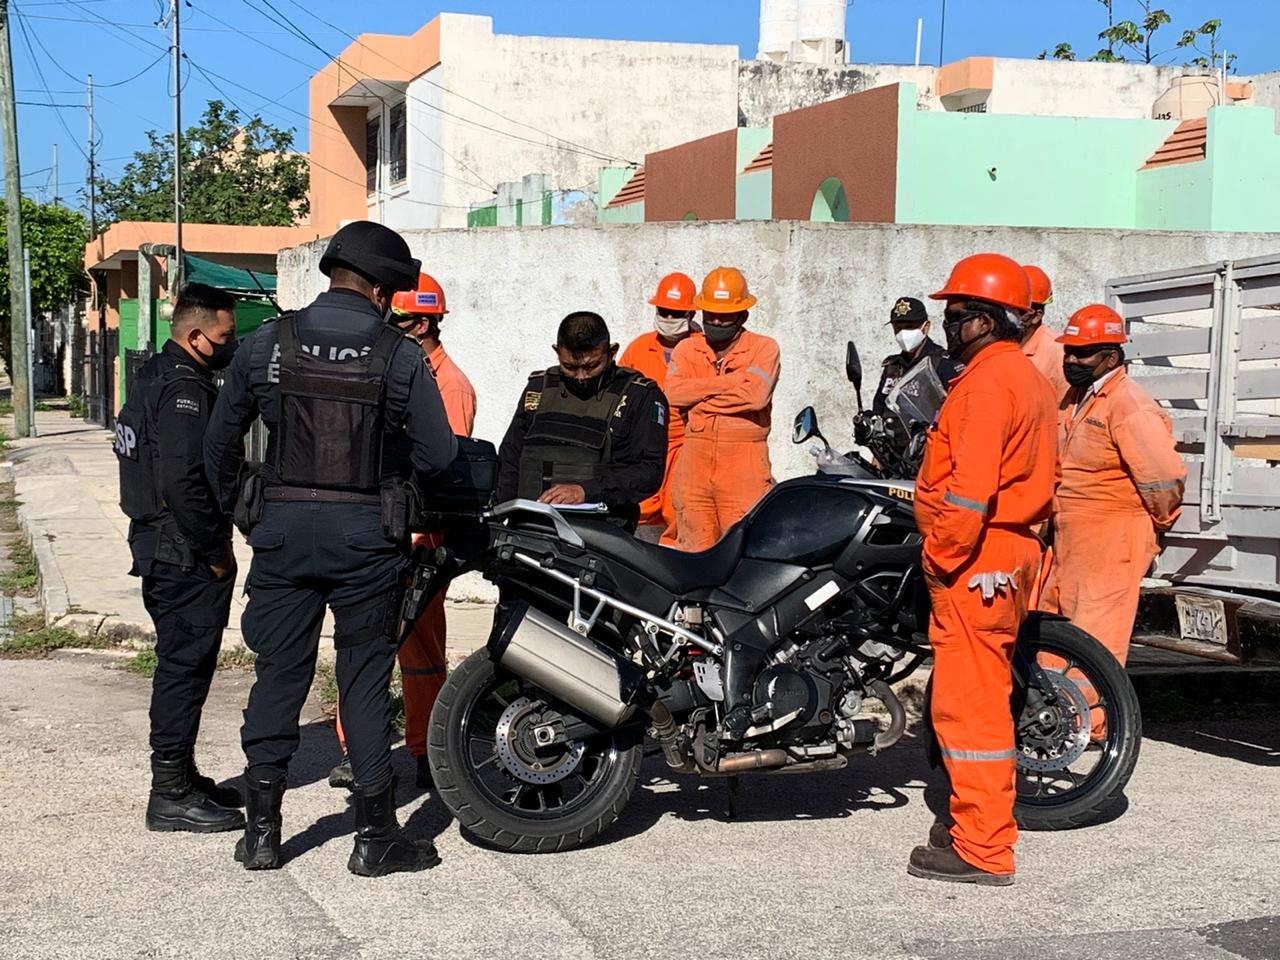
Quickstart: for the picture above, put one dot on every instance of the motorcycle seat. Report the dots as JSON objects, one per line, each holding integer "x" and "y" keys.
{"x": 674, "y": 570}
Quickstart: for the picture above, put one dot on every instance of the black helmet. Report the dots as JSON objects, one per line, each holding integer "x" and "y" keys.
{"x": 377, "y": 252}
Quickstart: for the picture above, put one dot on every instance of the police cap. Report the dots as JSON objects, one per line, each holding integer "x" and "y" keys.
{"x": 377, "y": 252}
{"x": 908, "y": 311}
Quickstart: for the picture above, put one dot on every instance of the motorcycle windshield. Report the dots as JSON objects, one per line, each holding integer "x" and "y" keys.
{"x": 918, "y": 396}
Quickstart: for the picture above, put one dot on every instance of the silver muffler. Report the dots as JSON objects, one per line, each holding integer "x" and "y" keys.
{"x": 584, "y": 674}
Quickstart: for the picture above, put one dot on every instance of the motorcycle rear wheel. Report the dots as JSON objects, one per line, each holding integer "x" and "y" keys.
{"x": 1075, "y": 759}
{"x": 505, "y": 791}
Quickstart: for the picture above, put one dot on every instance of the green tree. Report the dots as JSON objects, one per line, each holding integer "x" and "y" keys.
{"x": 1132, "y": 40}
{"x": 234, "y": 171}
{"x": 56, "y": 237}
{"x": 1210, "y": 56}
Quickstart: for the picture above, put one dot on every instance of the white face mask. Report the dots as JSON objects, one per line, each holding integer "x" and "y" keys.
{"x": 673, "y": 328}
{"x": 909, "y": 339}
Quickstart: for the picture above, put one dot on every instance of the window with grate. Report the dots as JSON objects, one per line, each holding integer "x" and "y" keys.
{"x": 398, "y": 144}
{"x": 974, "y": 108}
{"x": 372, "y": 132}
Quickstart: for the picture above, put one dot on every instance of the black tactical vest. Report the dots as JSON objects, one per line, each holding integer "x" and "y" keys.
{"x": 136, "y": 444}
{"x": 569, "y": 439}
{"x": 332, "y": 414}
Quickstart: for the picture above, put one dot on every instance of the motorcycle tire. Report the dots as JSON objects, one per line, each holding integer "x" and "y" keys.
{"x": 1102, "y": 790}
{"x": 479, "y": 808}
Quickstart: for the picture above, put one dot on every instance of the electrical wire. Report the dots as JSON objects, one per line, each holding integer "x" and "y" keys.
{"x": 35, "y": 62}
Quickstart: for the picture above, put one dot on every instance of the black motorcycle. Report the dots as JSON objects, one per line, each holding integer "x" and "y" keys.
{"x": 762, "y": 654}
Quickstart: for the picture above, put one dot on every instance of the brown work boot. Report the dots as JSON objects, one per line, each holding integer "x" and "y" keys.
{"x": 939, "y": 836}
{"x": 945, "y": 864}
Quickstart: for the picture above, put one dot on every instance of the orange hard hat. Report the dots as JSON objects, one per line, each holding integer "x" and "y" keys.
{"x": 1041, "y": 285}
{"x": 1092, "y": 326}
{"x": 427, "y": 299}
{"x": 676, "y": 291}
{"x": 991, "y": 277}
{"x": 725, "y": 291}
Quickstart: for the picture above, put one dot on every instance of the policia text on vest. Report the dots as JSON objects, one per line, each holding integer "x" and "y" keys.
{"x": 612, "y": 443}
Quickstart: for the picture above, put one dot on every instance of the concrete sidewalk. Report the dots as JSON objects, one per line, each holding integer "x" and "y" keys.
{"x": 66, "y": 480}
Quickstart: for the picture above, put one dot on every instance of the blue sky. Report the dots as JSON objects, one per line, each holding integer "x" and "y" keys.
{"x": 260, "y": 66}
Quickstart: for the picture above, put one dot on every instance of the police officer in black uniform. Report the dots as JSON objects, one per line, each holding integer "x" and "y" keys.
{"x": 910, "y": 324}
{"x": 181, "y": 545}
{"x": 343, "y": 394}
{"x": 586, "y": 430}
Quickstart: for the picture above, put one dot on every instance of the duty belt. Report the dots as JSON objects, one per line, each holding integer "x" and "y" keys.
{"x": 314, "y": 495}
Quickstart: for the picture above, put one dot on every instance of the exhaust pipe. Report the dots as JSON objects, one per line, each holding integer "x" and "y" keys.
{"x": 897, "y": 716}
{"x": 573, "y": 668}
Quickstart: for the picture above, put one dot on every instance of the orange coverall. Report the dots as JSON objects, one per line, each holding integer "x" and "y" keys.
{"x": 647, "y": 354}
{"x": 422, "y": 655}
{"x": 1122, "y": 482}
{"x": 987, "y": 479}
{"x": 1045, "y": 353}
{"x": 727, "y": 404}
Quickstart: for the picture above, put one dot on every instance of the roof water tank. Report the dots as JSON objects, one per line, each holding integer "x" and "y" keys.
{"x": 777, "y": 28}
{"x": 1188, "y": 98}
{"x": 820, "y": 20}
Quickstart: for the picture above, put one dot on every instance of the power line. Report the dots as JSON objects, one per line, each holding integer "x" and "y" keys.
{"x": 35, "y": 62}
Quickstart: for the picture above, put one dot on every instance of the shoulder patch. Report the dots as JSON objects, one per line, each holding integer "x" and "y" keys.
{"x": 532, "y": 399}
{"x": 187, "y": 405}
{"x": 659, "y": 413}
{"x": 645, "y": 383}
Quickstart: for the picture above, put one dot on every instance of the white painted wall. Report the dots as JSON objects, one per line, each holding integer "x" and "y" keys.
{"x": 818, "y": 284}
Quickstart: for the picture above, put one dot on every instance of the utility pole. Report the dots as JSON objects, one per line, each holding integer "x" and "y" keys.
{"x": 177, "y": 151}
{"x": 57, "y": 198}
{"x": 19, "y": 331}
{"x": 31, "y": 348}
{"x": 104, "y": 363}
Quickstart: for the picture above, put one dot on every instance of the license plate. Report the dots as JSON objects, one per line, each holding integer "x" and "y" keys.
{"x": 1202, "y": 618}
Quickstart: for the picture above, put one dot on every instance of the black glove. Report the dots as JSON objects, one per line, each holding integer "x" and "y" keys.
{"x": 861, "y": 429}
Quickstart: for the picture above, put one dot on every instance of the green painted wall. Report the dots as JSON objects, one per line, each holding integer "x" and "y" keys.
{"x": 612, "y": 180}
{"x": 754, "y": 190}
{"x": 1176, "y": 197}
{"x": 1013, "y": 170}
{"x": 1244, "y": 154}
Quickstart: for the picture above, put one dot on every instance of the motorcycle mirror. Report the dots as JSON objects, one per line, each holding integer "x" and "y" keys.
{"x": 806, "y": 426}
{"x": 853, "y": 369}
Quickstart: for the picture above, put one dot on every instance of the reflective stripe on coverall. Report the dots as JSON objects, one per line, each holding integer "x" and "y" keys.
{"x": 1045, "y": 353}
{"x": 987, "y": 479}
{"x": 647, "y": 354}
{"x": 727, "y": 405}
{"x": 422, "y": 655}
{"x": 1122, "y": 482}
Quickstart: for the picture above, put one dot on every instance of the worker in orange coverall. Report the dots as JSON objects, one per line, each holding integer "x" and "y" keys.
{"x": 722, "y": 383}
{"x": 987, "y": 480}
{"x": 650, "y": 353}
{"x": 1122, "y": 483}
{"x": 1038, "y": 343}
{"x": 422, "y": 656}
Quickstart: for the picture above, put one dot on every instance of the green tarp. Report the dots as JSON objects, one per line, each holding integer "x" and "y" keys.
{"x": 227, "y": 278}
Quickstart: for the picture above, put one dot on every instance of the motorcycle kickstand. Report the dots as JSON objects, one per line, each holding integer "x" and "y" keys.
{"x": 731, "y": 798}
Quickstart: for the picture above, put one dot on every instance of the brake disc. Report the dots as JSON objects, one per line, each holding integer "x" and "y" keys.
{"x": 518, "y": 751}
{"x": 1061, "y": 731}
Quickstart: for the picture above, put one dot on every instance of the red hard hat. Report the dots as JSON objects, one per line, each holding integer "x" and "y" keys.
{"x": 1041, "y": 286}
{"x": 427, "y": 299}
{"x": 991, "y": 277}
{"x": 675, "y": 292}
{"x": 1092, "y": 326}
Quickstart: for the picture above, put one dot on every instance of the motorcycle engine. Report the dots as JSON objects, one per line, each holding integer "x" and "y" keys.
{"x": 795, "y": 694}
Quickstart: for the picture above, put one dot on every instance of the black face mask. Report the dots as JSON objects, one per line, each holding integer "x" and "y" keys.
{"x": 584, "y": 388}
{"x": 1078, "y": 374}
{"x": 220, "y": 359}
{"x": 956, "y": 346}
{"x": 720, "y": 334}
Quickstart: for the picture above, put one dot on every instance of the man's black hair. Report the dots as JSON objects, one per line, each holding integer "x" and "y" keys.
{"x": 582, "y": 332}
{"x": 199, "y": 302}
{"x": 1005, "y": 327}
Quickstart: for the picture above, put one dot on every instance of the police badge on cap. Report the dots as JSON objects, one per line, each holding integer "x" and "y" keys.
{"x": 908, "y": 310}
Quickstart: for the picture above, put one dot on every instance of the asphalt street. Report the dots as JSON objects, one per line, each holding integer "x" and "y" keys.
{"x": 811, "y": 867}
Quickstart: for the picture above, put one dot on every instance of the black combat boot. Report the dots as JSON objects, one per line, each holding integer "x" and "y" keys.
{"x": 222, "y": 796}
{"x": 381, "y": 846}
{"x": 259, "y": 848}
{"x": 177, "y": 804}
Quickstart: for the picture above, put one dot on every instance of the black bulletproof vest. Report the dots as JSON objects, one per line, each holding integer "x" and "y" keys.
{"x": 569, "y": 440}
{"x": 137, "y": 446}
{"x": 332, "y": 414}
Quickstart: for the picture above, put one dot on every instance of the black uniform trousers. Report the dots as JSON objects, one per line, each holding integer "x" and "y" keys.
{"x": 190, "y": 611}
{"x": 307, "y": 556}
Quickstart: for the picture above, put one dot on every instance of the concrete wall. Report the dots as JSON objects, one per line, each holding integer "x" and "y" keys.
{"x": 1061, "y": 88}
{"x": 766, "y": 89}
{"x": 1244, "y": 155}
{"x": 819, "y": 285}
{"x": 615, "y": 98}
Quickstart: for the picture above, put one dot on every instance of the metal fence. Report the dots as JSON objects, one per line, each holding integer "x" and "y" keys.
{"x": 99, "y": 367}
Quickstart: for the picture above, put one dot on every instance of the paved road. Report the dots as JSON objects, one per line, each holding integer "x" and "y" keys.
{"x": 813, "y": 867}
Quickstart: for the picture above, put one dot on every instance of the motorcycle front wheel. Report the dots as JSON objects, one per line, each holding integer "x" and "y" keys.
{"x": 1076, "y": 752}
{"x": 504, "y": 783}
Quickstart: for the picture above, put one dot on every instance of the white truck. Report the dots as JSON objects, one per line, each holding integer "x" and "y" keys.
{"x": 1205, "y": 342}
